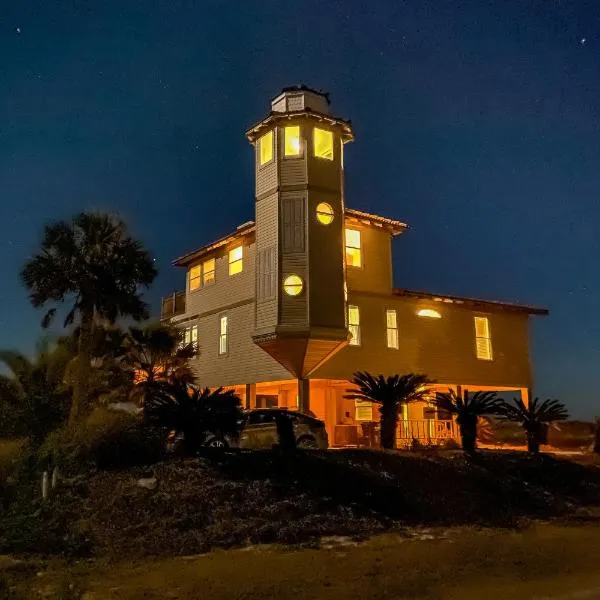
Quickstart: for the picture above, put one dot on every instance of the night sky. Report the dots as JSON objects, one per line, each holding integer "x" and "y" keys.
{"x": 477, "y": 123}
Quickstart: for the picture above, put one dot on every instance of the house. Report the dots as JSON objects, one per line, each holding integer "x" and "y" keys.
{"x": 287, "y": 307}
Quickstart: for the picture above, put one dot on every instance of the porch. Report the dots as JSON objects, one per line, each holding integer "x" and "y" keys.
{"x": 352, "y": 423}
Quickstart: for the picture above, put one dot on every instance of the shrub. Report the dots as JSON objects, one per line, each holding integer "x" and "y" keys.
{"x": 107, "y": 440}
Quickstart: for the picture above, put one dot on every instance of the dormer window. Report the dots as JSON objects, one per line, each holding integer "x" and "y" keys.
{"x": 323, "y": 143}
{"x": 236, "y": 260}
{"x": 291, "y": 140}
{"x": 265, "y": 148}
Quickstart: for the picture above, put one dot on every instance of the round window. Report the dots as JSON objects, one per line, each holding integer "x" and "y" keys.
{"x": 293, "y": 285}
{"x": 324, "y": 213}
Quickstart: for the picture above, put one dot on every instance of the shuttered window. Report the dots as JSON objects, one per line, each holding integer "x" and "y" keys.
{"x": 293, "y": 224}
{"x": 483, "y": 338}
{"x": 223, "y": 334}
{"x": 266, "y": 280}
{"x": 354, "y": 325}
{"x": 391, "y": 322}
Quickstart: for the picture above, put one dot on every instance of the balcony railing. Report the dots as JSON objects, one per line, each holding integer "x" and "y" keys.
{"x": 426, "y": 431}
{"x": 172, "y": 305}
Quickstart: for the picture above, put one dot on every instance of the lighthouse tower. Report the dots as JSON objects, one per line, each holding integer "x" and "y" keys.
{"x": 300, "y": 317}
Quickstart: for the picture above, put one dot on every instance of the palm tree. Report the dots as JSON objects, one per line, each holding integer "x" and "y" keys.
{"x": 93, "y": 264}
{"x": 468, "y": 408}
{"x": 390, "y": 393}
{"x": 35, "y": 393}
{"x": 151, "y": 356}
{"x": 193, "y": 412}
{"x": 534, "y": 418}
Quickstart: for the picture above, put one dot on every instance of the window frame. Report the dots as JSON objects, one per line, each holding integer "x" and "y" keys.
{"x": 486, "y": 338}
{"x": 325, "y": 213}
{"x": 359, "y": 248}
{"x": 223, "y": 336}
{"x": 329, "y": 134}
{"x": 300, "y": 152}
{"x": 299, "y": 283}
{"x": 389, "y": 329}
{"x": 355, "y": 340}
{"x": 213, "y": 271}
{"x": 197, "y": 279}
{"x": 362, "y": 405}
{"x": 237, "y": 260}
{"x": 260, "y": 152}
{"x": 189, "y": 336}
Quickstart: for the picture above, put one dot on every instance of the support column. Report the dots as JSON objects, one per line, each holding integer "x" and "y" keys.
{"x": 304, "y": 395}
{"x": 525, "y": 395}
{"x": 250, "y": 395}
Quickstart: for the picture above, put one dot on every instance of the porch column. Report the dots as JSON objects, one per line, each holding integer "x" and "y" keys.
{"x": 525, "y": 396}
{"x": 250, "y": 395}
{"x": 304, "y": 395}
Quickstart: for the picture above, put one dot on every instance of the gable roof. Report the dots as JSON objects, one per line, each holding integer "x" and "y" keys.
{"x": 393, "y": 226}
{"x": 477, "y": 303}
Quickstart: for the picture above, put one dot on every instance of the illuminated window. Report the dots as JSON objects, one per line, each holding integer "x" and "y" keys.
{"x": 292, "y": 285}
{"x": 353, "y": 253}
{"x": 429, "y": 313}
{"x": 223, "y": 333}
{"x": 363, "y": 410}
{"x": 483, "y": 338}
{"x": 265, "y": 148}
{"x": 323, "y": 143}
{"x": 291, "y": 141}
{"x": 324, "y": 213}
{"x": 195, "y": 277}
{"x": 208, "y": 272}
{"x": 391, "y": 320}
{"x": 190, "y": 336}
{"x": 354, "y": 325}
{"x": 236, "y": 260}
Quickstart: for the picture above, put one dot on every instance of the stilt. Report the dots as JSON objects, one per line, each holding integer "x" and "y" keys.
{"x": 304, "y": 395}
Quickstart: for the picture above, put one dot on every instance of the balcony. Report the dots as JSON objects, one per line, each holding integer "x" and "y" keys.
{"x": 172, "y": 305}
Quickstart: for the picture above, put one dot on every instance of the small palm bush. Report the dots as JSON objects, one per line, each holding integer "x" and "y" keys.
{"x": 468, "y": 408}
{"x": 389, "y": 393}
{"x": 535, "y": 418}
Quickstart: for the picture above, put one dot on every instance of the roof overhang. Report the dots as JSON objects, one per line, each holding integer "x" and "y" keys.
{"x": 390, "y": 225}
{"x": 274, "y": 118}
{"x": 477, "y": 303}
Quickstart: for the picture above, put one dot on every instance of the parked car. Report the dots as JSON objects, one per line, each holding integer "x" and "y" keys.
{"x": 258, "y": 430}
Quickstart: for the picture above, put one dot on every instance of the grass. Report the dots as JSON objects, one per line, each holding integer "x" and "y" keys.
{"x": 544, "y": 561}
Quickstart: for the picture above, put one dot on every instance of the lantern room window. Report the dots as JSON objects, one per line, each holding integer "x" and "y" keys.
{"x": 291, "y": 140}
{"x": 265, "y": 148}
{"x": 323, "y": 143}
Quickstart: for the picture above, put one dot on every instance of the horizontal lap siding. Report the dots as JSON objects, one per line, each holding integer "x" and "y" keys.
{"x": 375, "y": 274}
{"x": 226, "y": 289}
{"x": 244, "y": 362}
{"x": 443, "y": 349}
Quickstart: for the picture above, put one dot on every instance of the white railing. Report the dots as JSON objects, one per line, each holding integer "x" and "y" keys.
{"x": 426, "y": 431}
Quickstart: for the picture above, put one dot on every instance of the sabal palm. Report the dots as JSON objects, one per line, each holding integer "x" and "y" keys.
{"x": 151, "y": 356}
{"x": 535, "y": 417}
{"x": 92, "y": 264}
{"x": 389, "y": 393}
{"x": 34, "y": 395}
{"x": 468, "y": 408}
{"x": 194, "y": 412}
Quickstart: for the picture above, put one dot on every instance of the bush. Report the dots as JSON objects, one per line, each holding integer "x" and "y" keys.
{"x": 106, "y": 440}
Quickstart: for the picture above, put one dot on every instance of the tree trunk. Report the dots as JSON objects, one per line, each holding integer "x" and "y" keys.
{"x": 468, "y": 434}
{"x": 533, "y": 442}
{"x": 82, "y": 371}
{"x": 389, "y": 422}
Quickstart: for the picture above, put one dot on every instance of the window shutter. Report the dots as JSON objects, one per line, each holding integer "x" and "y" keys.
{"x": 293, "y": 224}
{"x": 266, "y": 280}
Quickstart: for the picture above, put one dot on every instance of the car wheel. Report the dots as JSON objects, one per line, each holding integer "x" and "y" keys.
{"x": 216, "y": 442}
{"x": 308, "y": 443}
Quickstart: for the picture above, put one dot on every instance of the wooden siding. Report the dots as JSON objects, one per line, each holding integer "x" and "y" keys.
{"x": 267, "y": 236}
{"x": 292, "y": 170}
{"x": 226, "y": 289}
{"x": 375, "y": 273}
{"x": 444, "y": 349}
{"x": 326, "y": 260}
{"x": 267, "y": 175}
{"x": 244, "y": 362}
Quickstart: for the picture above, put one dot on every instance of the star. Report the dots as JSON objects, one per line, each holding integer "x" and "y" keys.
{"x": 18, "y": 30}
{"x": 582, "y": 41}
